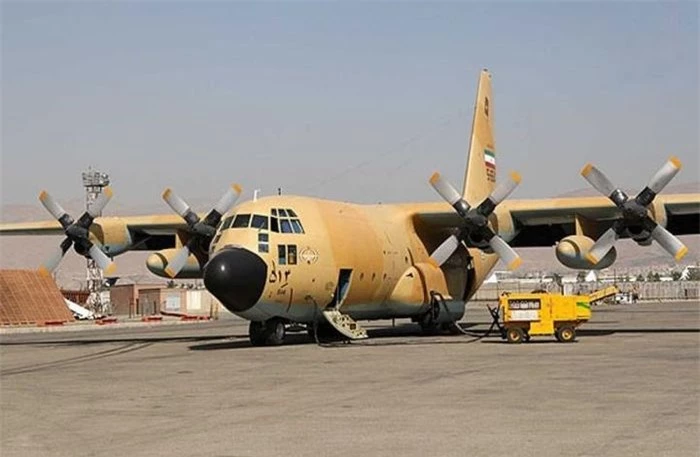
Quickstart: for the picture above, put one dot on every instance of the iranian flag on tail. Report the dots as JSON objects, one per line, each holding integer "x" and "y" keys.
{"x": 490, "y": 159}
{"x": 490, "y": 162}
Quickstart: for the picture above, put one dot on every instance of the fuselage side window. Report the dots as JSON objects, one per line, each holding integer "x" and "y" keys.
{"x": 259, "y": 222}
{"x": 285, "y": 226}
{"x": 282, "y": 254}
{"x": 292, "y": 254}
{"x": 241, "y": 221}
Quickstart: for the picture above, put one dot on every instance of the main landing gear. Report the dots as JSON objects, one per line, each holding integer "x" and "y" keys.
{"x": 268, "y": 333}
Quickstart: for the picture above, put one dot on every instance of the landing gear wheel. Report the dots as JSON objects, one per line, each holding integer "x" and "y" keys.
{"x": 257, "y": 333}
{"x": 275, "y": 331}
{"x": 515, "y": 335}
{"x": 566, "y": 334}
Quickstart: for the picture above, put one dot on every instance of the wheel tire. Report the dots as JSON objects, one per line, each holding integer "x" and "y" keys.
{"x": 566, "y": 334}
{"x": 275, "y": 332}
{"x": 515, "y": 335}
{"x": 256, "y": 333}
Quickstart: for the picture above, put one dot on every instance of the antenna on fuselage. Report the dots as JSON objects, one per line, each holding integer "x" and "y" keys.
{"x": 255, "y": 194}
{"x": 279, "y": 191}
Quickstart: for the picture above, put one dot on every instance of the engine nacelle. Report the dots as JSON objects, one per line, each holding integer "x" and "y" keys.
{"x": 157, "y": 262}
{"x": 571, "y": 252}
{"x": 113, "y": 234}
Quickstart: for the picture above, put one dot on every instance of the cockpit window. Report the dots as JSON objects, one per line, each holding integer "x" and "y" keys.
{"x": 296, "y": 225}
{"x": 259, "y": 222}
{"x": 286, "y": 222}
{"x": 241, "y": 221}
{"x": 285, "y": 226}
{"x": 226, "y": 223}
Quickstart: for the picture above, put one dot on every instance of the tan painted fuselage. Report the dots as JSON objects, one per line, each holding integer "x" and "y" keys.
{"x": 390, "y": 271}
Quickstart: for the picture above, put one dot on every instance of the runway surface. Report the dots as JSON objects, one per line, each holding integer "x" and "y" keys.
{"x": 628, "y": 387}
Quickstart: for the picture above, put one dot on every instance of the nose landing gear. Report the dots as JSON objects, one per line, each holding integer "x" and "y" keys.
{"x": 268, "y": 333}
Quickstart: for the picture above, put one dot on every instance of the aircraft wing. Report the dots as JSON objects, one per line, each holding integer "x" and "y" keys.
{"x": 146, "y": 232}
{"x": 543, "y": 222}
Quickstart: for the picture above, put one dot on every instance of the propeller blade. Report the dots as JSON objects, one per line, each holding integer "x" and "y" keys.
{"x": 98, "y": 205}
{"x": 505, "y": 188}
{"x": 52, "y": 205}
{"x": 669, "y": 242}
{"x": 598, "y": 180}
{"x": 176, "y": 203}
{"x": 104, "y": 262}
{"x": 445, "y": 250}
{"x": 228, "y": 199}
{"x": 602, "y": 246}
{"x": 179, "y": 261}
{"x": 52, "y": 262}
{"x": 505, "y": 252}
{"x": 445, "y": 189}
{"x": 665, "y": 174}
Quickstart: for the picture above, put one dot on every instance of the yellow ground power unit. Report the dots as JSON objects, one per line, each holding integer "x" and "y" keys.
{"x": 537, "y": 314}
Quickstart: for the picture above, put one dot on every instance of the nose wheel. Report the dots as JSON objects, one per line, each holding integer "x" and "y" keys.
{"x": 267, "y": 333}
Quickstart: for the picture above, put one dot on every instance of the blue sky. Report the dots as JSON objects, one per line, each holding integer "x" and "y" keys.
{"x": 353, "y": 101}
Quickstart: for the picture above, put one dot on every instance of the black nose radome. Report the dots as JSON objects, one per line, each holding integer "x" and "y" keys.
{"x": 236, "y": 277}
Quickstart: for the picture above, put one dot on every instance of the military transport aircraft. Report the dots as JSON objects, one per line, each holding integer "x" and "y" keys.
{"x": 285, "y": 260}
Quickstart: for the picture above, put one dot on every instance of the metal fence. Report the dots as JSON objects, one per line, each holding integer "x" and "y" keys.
{"x": 663, "y": 290}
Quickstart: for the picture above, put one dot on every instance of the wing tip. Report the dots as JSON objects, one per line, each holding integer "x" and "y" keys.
{"x": 237, "y": 188}
{"x": 515, "y": 176}
{"x": 166, "y": 193}
{"x": 170, "y": 272}
{"x": 435, "y": 177}
{"x": 43, "y": 271}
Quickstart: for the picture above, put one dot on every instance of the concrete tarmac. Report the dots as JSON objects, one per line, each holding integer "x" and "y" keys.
{"x": 629, "y": 387}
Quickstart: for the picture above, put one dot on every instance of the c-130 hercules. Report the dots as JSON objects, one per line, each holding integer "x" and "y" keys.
{"x": 284, "y": 260}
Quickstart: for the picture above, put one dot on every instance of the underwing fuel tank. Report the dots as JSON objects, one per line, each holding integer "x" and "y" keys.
{"x": 158, "y": 261}
{"x": 571, "y": 252}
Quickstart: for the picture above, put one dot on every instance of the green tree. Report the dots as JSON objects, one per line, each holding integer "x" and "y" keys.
{"x": 640, "y": 278}
{"x": 676, "y": 275}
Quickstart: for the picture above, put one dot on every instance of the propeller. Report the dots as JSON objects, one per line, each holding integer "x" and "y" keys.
{"x": 475, "y": 220}
{"x": 635, "y": 219}
{"x": 201, "y": 229}
{"x": 77, "y": 232}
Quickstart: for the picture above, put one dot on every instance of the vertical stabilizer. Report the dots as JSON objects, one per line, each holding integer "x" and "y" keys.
{"x": 480, "y": 176}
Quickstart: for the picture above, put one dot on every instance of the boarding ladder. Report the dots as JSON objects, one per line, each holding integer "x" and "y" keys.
{"x": 344, "y": 324}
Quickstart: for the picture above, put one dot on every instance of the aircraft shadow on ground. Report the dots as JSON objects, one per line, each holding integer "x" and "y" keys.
{"x": 381, "y": 336}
